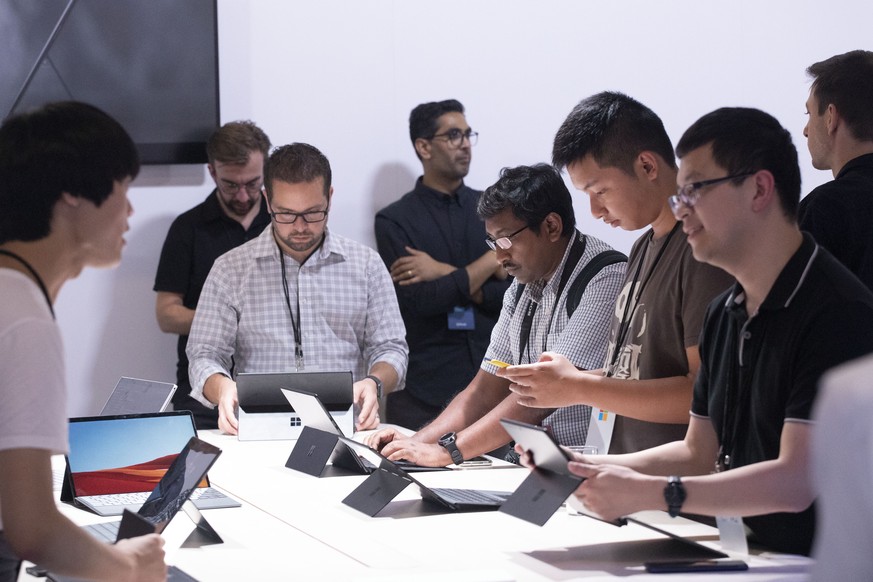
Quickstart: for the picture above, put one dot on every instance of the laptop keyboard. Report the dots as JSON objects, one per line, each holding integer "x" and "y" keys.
{"x": 106, "y": 532}
{"x": 138, "y": 498}
{"x": 470, "y": 496}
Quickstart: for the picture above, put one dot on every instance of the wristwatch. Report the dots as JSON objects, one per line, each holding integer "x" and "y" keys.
{"x": 674, "y": 495}
{"x": 447, "y": 441}
{"x": 379, "y": 386}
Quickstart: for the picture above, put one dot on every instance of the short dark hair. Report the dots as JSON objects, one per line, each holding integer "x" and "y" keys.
{"x": 532, "y": 192}
{"x": 233, "y": 143}
{"x": 745, "y": 140}
{"x": 296, "y": 163}
{"x": 60, "y": 147}
{"x": 846, "y": 81}
{"x": 613, "y": 129}
{"x": 423, "y": 119}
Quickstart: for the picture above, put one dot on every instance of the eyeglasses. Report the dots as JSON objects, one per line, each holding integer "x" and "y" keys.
{"x": 455, "y": 137}
{"x": 689, "y": 194}
{"x": 231, "y": 188}
{"x": 291, "y": 217}
{"x": 504, "y": 242}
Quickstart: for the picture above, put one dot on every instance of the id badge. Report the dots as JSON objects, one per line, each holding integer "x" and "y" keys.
{"x": 461, "y": 318}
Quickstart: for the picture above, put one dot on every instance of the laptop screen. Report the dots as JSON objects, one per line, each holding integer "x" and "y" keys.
{"x": 134, "y": 396}
{"x": 125, "y": 454}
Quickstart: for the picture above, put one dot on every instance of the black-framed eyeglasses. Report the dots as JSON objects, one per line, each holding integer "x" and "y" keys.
{"x": 689, "y": 194}
{"x": 231, "y": 188}
{"x": 455, "y": 137}
{"x": 504, "y": 242}
{"x": 291, "y": 217}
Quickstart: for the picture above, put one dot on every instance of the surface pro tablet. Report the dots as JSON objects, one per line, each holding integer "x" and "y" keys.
{"x": 135, "y": 396}
{"x": 316, "y": 447}
{"x": 266, "y": 414}
{"x": 389, "y": 479}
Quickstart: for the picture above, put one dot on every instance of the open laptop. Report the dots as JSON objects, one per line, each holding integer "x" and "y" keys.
{"x": 386, "y": 482}
{"x": 169, "y": 495}
{"x": 265, "y": 414}
{"x": 319, "y": 441}
{"x": 135, "y": 396}
{"x": 115, "y": 462}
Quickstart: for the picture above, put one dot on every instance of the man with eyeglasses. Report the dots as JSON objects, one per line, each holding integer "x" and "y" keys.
{"x": 449, "y": 284}
{"x": 616, "y": 150}
{"x": 231, "y": 215}
{"x": 794, "y": 313}
{"x": 297, "y": 297}
{"x": 565, "y": 285}
{"x": 839, "y": 133}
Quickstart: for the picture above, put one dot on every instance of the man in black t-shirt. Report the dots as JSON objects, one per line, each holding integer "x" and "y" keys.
{"x": 839, "y": 133}
{"x": 232, "y": 214}
{"x": 794, "y": 313}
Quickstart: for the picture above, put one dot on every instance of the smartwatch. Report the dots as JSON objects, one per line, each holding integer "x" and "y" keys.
{"x": 379, "y": 386}
{"x": 674, "y": 495}
{"x": 447, "y": 441}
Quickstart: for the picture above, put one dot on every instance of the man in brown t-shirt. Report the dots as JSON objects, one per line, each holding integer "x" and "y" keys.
{"x": 616, "y": 150}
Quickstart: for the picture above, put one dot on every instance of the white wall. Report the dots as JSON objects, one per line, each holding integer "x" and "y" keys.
{"x": 344, "y": 75}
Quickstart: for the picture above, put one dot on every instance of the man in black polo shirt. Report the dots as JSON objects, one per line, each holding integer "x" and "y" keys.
{"x": 839, "y": 133}
{"x": 232, "y": 214}
{"x": 794, "y": 313}
{"x": 449, "y": 283}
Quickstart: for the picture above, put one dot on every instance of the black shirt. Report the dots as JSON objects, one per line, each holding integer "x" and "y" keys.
{"x": 195, "y": 239}
{"x": 816, "y": 315}
{"x": 441, "y": 361}
{"x": 839, "y": 215}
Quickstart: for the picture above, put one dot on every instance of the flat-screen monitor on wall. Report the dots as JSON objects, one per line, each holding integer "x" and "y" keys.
{"x": 151, "y": 64}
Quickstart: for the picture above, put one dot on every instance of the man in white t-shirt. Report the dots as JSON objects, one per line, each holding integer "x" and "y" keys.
{"x": 64, "y": 173}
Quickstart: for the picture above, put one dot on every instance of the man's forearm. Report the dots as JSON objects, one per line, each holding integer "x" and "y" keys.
{"x": 480, "y": 270}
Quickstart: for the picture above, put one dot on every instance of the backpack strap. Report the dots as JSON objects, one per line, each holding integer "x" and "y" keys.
{"x": 594, "y": 266}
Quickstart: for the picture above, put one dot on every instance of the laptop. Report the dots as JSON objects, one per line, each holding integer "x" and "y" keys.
{"x": 319, "y": 441}
{"x": 134, "y": 396}
{"x": 171, "y": 493}
{"x": 265, "y": 414}
{"x": 389, "y": 479}
{"x": 115, "y": 462}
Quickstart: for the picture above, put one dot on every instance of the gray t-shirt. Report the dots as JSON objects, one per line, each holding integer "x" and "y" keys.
{"x": 665, "y": 319}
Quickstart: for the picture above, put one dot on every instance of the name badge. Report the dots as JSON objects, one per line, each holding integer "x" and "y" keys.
{"x": 461, "y": 318}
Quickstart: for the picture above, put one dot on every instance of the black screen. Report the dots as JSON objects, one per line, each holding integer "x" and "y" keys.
{"x": 151, "y": 64}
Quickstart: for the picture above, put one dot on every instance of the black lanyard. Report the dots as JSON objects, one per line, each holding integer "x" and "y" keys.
{"x": 35, "y": 275}
{"x": 295, "y": 322}
{"x": 576, "y": 251}
{"x": 628, "y": 315}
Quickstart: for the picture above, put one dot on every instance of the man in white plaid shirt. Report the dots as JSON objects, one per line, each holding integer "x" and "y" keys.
{"x": 297, "y": 297}
{"x": 530, "y": 223}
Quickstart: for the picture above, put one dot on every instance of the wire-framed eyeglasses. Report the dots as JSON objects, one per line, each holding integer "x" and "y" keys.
{"x": 504, "y": 242}
{"x": 455, "y": 137}
{"x": 231, "y": 188}
{"x": 689, "y": 194}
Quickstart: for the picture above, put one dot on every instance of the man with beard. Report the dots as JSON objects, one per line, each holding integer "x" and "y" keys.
{"x": 297, "y": 297}
{"x": 231, "y": 215}
{"x": 449, "y": 284}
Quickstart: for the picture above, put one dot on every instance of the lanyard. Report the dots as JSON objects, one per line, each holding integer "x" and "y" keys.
{"x": 295, "y": 322}
{"x": 35, "y": 275}
{"x": 628, "y": 315}
{"x": 576, "y": 252}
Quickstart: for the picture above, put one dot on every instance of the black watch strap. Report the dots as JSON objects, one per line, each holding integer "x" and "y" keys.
{"x": 380, "y": 388}
{"x": 674, "y": 495}
{"x": 447, "y": 441}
